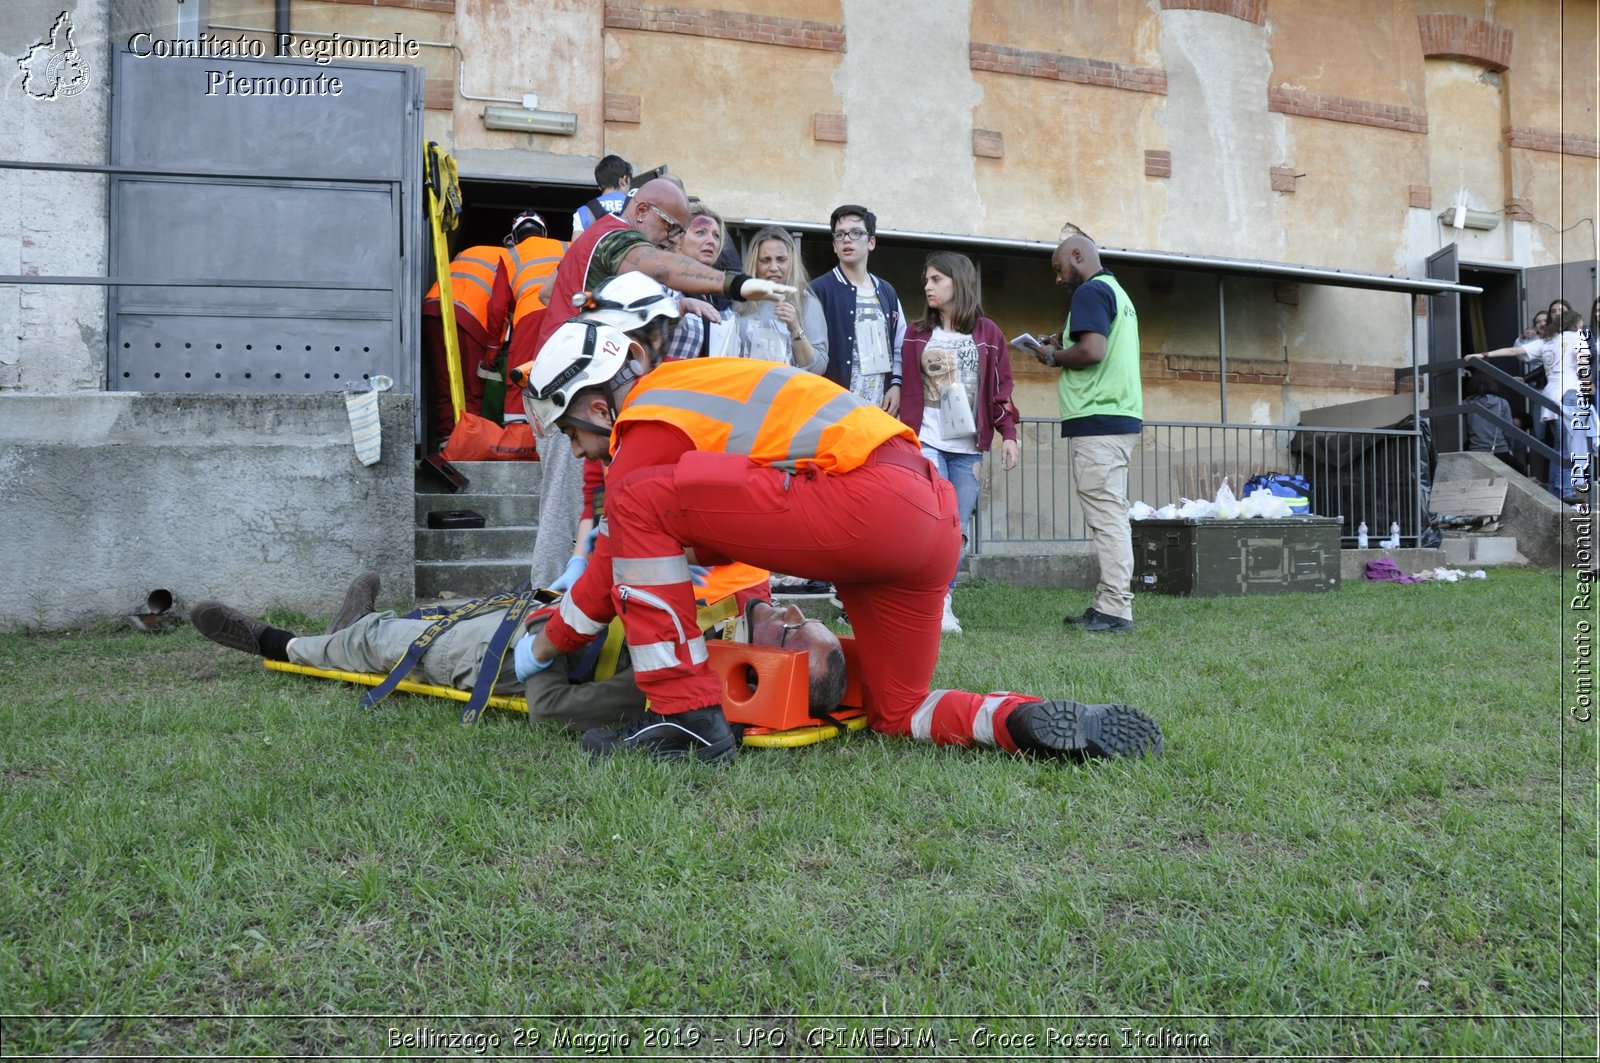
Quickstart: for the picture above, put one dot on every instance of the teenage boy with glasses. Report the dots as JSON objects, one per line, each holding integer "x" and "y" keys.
{"x": 866, "y": 324}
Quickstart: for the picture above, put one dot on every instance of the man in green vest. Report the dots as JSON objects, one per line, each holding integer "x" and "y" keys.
{"x": 1102, "y": 412}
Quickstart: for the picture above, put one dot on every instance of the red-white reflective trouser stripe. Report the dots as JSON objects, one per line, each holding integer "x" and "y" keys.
{"x": 958, "y": 718}
{"x": 887, "y": 537}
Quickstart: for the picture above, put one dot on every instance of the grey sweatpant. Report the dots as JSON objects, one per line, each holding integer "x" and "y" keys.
{"x": 560, "y": 508}
{"x": 378, "y": 641}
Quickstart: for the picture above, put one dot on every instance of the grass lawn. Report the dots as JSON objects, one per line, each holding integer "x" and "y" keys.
{"x": 1373, "y": 834}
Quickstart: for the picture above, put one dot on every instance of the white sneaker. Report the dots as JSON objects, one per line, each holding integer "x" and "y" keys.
{"x": 949, "y": 624}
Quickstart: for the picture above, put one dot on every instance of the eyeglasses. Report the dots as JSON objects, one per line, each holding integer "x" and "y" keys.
{"x": 794, "y": 625}
{"x": 850, "y": 236}
{"x": 674, "y": 230}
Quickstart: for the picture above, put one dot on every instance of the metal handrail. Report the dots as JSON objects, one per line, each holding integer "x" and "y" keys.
{"x": 1517, "y": 385}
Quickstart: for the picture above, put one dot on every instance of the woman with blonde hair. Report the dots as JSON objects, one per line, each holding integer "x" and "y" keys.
{"x": 792, "y": 331}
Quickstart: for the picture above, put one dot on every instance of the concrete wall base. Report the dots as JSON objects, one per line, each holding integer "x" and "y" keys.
{"x": 1548, "y": 533}
{"x": 1072, "y": 566}
{"x": 255, "y": 499}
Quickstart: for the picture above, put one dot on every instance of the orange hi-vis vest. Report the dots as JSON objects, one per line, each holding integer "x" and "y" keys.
{"x": 532, "y": 264}
{"x": 775, "y": 414}
{"x": 472, "y": 283}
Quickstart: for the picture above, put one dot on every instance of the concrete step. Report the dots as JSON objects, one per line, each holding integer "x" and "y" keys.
{"x": 490, "y": 478}
{"x": 1472, "y": 549}
{"x": 476, "y": 544}
{"x": 499, "y": 511}
{"x": 1408, "y": 559}
{"x": 468, "y": 579}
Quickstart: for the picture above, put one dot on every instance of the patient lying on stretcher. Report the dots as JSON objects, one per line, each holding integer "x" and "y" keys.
{"x": 591, "y": 689}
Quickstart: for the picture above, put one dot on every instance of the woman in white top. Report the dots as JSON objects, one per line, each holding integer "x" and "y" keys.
{"x": 1557, "y": 349}
{"x": 792, "y": 331}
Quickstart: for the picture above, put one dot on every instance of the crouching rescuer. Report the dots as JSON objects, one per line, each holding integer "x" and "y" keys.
{"x": 715, "y": 460}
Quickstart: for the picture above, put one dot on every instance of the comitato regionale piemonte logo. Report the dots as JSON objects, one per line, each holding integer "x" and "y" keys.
{"x": 53, "y": 69}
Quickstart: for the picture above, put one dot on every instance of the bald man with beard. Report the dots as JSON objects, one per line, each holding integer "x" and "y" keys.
{"x": 1102, "y": 412}
{"x": 640, "y": 237}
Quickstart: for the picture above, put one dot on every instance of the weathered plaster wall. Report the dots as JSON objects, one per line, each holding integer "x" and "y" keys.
{"x": 52, "y": 337}
{"x": 748, "y": 149}
{"x": 258, "y": 500}
{"x": 1223, "y": 140}
{"x": 550, "y": 48}
{"x": 908, "y": 93}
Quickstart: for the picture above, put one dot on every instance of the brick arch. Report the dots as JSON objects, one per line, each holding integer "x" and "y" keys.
{"x": 1248, "y": 10}
{"x": 1471, "y": 40}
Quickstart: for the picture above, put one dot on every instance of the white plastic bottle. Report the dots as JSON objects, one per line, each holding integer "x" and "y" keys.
{"x": 1361, "y": 536}
{"x": 1394, "y": 534}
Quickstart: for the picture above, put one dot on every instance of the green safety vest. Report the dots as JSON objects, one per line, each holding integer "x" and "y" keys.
{"x": 1111, "y": 388}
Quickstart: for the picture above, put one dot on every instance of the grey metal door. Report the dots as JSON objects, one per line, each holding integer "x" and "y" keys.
{"x": 1572, "y": 281}
{"x": 316, "y": 224}
{"x": 1444, "y": 345}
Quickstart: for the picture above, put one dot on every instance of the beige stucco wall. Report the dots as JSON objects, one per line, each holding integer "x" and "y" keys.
{"x": 735, "y": 120}
{"x": 756, "y": 159}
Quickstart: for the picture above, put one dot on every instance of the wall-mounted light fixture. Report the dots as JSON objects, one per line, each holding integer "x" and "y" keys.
{"x": 530, "y": 120}
{"x": 1461, "y": 218}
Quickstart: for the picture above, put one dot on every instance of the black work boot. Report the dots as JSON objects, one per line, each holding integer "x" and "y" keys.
{"x": 1071, "y": 728}
{"x": 703, "y": 734}
{"x": 226, "y": 626}
{"x": 360, "y": 598}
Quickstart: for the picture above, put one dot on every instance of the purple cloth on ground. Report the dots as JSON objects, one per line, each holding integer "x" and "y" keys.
{"x": 1385, "y": 570}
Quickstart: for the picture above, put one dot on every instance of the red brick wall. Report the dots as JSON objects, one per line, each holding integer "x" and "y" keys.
{"x": 1248, "y": 10}
{"x": 726, "y": 25}
{"x": 1288, "y": 100}
{"x": 448, "y": 7}
{"x": 1470, "y": 39}
{"x": 1053, "y": 66}
{"x": 1548, "y": 140}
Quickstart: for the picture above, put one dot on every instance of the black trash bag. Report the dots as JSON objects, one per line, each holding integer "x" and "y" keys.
{"x": 1367, "y": 478}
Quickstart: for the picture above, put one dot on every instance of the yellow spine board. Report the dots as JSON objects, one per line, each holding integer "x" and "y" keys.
{"x": 372, "y": 679}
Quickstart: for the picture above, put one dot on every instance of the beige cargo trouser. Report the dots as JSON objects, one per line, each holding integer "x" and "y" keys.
{"x": 1100, "y": 480}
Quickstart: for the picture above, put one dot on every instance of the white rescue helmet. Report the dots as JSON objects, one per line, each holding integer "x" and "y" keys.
{"x": 579, "y": 354}
{"x": 627, "y": 301}
{"x": 524, "y": 225}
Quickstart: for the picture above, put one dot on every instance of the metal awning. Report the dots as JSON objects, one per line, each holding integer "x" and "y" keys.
{"x": 1237, "y": 267}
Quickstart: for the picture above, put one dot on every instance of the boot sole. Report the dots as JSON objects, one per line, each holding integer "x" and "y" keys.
{"x": 226, "y": 627}
{"x": 1097, "y": 730}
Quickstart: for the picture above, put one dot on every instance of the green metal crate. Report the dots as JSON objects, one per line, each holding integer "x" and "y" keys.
{"x": 1206, "y": 558}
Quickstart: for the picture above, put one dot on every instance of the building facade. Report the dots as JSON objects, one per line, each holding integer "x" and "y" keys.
{"x": 1262, "y": 133}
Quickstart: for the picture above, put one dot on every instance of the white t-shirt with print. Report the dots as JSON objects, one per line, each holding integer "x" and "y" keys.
{"x": 949, "y": 359}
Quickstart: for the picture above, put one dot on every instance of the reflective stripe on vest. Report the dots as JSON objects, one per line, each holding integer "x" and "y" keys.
{"x": 532, "y": 264}
{"x": 472, "y": 281}
{"x": 777, "y": 415}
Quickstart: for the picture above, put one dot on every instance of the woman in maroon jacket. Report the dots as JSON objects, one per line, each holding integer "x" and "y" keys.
{"x": 957, "y": 384}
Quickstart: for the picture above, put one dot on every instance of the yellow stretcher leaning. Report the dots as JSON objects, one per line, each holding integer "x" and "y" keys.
{"x": 764, "y": 690}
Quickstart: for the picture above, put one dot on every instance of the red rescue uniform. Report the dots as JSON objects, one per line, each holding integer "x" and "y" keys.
{"x": 762, "y": 463}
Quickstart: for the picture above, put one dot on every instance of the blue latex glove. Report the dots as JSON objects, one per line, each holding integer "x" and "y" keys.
{"x": 697, "y": 575}
{"x": 590, "y": 539}
{"x": 575, "y": 568}
{"x": 527, "y": 664}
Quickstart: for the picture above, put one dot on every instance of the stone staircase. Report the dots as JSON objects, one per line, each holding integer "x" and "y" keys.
{"x": 470, "y": 562}
{"x": 1534, "y": 528}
